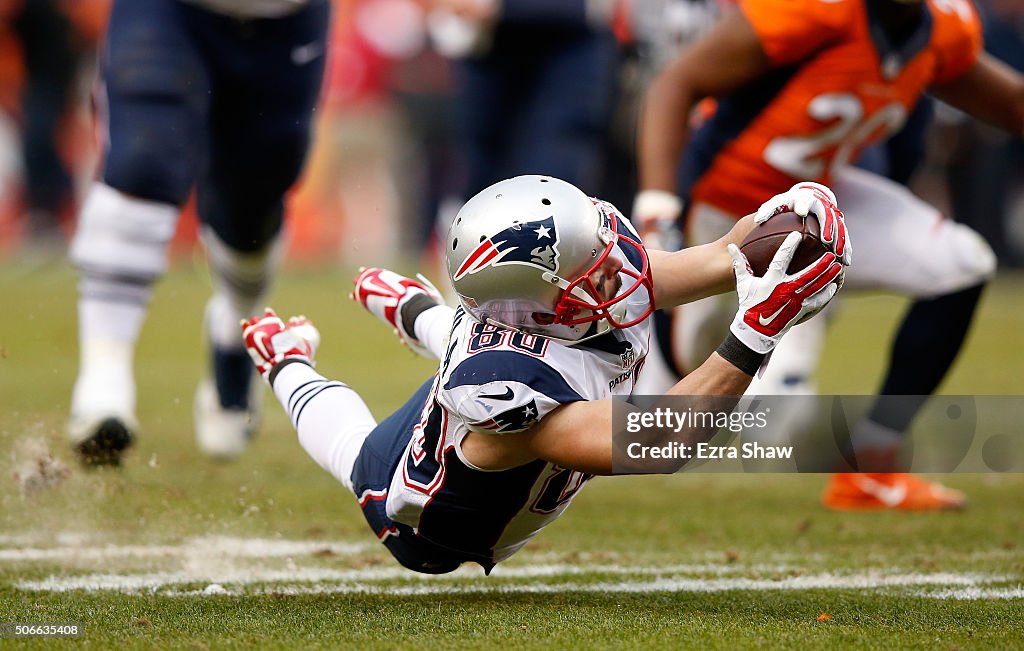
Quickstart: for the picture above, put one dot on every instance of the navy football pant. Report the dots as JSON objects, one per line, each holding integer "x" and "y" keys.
{"x": 197, "y": 98}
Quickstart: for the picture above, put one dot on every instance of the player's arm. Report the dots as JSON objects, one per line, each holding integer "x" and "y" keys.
{"x": 990, "y": 91}
{"x": 706, "y": 270}
{"x": 580, "y": 435}
{"x": 698, "y": 271}
{"x": 725, "y": 58}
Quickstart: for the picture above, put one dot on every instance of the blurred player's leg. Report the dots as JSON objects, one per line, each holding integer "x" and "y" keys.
{"x": 260, "y": 123}
{"x": 566, "y": 137}
{"x": 228, "y": 402}
{"x": 906, "y": 245}
{"x": 155, "y": 94}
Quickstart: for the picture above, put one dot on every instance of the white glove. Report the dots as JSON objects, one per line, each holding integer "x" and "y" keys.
{"x": 772, "y": 304}
{"x": 656, "y": 216}
{"x": 807, "y": 197}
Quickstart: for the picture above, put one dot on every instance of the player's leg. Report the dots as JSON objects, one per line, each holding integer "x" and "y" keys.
{"x": 336, "y": 429}
{"x": 152, "y": 100}
{"x": 569, "y": 101}
{"x": 384, "y": 448}
{"x": 905, "y": 245}
{"x": 330, "y": 418}
{"x": 488, "y": 107}
{"x": 267, "y": 80}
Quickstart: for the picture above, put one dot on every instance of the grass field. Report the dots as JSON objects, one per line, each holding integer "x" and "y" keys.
{"x": 174, "y": 551}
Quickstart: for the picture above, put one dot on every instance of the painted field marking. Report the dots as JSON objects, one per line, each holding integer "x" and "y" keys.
{"x": 227, "y": 565}
{"x": 209, "y": 546}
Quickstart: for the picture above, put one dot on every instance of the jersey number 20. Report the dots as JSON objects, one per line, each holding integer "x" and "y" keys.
{"x": 807, "y": 157}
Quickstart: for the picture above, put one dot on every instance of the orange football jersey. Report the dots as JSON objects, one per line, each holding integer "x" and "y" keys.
{"x": 836, "y": 86}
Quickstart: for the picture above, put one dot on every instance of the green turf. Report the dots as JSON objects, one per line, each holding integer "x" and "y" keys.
{"x": 756, "y": 526}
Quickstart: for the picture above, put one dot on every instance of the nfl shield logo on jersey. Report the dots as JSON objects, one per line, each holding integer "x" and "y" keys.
{"x": 534, "y": 243}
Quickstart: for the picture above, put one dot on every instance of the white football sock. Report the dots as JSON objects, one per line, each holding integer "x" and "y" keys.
{"x": 120, "y": 249}
{"x": 241, "y": 284}
{"x": 432, "y": 328}
{"x": 331, "y": 419}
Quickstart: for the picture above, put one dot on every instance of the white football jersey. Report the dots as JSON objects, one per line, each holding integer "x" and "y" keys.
{"x": 501, "y": 382}
{"x": 251, "y": 8}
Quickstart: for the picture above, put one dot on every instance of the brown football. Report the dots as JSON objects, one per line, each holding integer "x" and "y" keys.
{"x": 761, "y": 243}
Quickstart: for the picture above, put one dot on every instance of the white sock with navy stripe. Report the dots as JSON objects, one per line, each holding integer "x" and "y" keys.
{"x": 331, "y": 419}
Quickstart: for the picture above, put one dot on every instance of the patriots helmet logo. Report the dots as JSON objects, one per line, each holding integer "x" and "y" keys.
{"x": 534, "y": 243}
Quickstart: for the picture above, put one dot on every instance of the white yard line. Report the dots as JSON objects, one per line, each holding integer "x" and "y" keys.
{"x": 973, "y": 593}
{"x": 231, "y": 565}
{"x": 675, "y": 584}
{"x": 209, "y": 546}
{"x": 312, "y": 580}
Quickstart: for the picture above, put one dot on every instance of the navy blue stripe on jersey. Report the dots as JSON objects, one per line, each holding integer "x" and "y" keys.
{"x": 628, "y": 252}
{"x": 662, "y": 321}
{"x": 610, "y": 342}
{"x": 509, "y": 366}
{"x": 424, "y": 470}
{"x": 734, "y": 113}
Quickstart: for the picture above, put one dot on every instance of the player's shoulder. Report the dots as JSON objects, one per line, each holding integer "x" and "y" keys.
{"x": 503, "y": 357}
{"x": 501, "y": 381}
{"x": 954, "y": 22}
{"x": 790, "y": 31}
{"x": 835, "y": 15}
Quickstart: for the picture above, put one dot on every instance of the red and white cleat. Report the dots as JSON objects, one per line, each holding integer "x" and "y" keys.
{"x": 384, "y": 293}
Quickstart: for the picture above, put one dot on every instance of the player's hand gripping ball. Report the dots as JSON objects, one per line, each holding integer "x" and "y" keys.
{"x": 762, "y": 243}
{"x": 816, "y": 201}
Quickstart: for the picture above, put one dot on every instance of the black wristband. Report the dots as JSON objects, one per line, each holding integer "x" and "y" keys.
{"x": 280, "y": 365}
{"x": 739, "y": 355}
{"x": 416, "y": 306}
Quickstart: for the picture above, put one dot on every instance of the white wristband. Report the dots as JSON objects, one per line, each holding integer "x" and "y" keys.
{"x": 656, "y": 205}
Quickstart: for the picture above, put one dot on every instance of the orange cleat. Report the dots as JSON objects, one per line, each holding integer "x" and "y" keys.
{"x": 894, "y": 490}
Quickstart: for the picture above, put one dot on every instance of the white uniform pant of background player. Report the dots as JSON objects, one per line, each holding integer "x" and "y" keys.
{"x": 900, "y": 243}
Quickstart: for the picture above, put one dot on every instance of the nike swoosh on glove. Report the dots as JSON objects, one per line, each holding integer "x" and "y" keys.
{"x": 772, "y": 304}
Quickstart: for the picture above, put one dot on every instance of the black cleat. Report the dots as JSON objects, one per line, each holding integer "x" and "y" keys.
{"x": 105, "y": 447}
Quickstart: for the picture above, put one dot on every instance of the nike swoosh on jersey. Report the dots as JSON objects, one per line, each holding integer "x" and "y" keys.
{"x": 771, "y": 317}
{"x": 508, "y": 395}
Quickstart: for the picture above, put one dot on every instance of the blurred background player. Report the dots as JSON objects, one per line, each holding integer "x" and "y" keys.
{"x": 556, "y": 292}
{"x": 535, "y": 86}
{"x": 801, "y": 88}
{"x": 218, "y": 94}
{"x": 47, "y": 48}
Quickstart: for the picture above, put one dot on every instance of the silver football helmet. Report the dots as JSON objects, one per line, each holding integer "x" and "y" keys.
{"x": 521, "y": 254}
